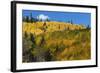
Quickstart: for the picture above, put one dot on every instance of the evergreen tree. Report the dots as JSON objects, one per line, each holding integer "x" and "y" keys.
{"x": 31, "y": 18}
{"x": 27, "y": 19}
{"x": 48, "y": 20}
{"x": 48, "y": 56}
{"x": 25, "y": 35}
{"x": 24, "y": 18}
{"x": 32, "y": 38}
{"x": 88, "y": 27}
{"x": 68, "y": 21}
{"x": 71, "y": 22}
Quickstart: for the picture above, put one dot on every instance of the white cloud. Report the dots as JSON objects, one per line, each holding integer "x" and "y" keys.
{"x": 42, "y": 17}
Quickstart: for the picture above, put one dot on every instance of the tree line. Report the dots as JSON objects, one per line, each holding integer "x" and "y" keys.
{"x": 31, "y": 19}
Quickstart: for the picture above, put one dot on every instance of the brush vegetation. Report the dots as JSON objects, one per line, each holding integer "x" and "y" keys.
{"x": 55, "y": 41}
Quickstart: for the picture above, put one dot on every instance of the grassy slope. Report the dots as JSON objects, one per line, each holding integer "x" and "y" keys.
{"x": 70, "y": 42}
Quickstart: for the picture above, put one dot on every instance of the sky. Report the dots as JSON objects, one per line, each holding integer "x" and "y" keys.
{"x": 76, "y": 17}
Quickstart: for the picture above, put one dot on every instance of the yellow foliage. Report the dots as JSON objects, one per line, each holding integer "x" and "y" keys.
{"x": 35, "y": 28}
{"x": 72, "y": 45}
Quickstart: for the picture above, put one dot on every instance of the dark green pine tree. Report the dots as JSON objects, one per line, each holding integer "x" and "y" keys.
{"x": 27, "y": 19}
{"x": 48, "y": 20}
{"x": 32, "y": 38}
{"x": 25, "y": 35}
{"x": 71, "y": 22}
{"x": 68, "y": 21}
{"x": 24, "y": 19}
{"x": 88, "y": 27}
{"x": 48, "y": 56}
{"x": 31, "y": 18}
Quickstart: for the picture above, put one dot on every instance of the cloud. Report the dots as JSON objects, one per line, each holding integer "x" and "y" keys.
{"x": 42, "y": 17}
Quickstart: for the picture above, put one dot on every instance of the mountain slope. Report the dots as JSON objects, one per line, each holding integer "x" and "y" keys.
{"x": 55, "y": 41}
{"x": 40, "y": 27}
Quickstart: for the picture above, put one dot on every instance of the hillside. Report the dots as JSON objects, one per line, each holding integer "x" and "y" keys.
{"x": 41, "y": 27}
{"x": 55, "y": 41}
